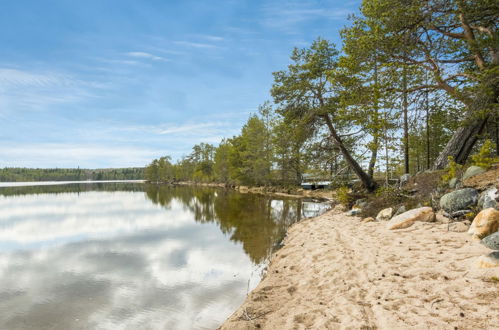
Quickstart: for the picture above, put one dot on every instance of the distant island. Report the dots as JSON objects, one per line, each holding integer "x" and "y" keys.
{"x": 20, "y": 174}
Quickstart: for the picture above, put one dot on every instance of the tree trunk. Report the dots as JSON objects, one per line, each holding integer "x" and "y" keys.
{"x": 367, "y": 181}
{"x": 461, "y": 143}
{"x": 483, "y": 107}
{"x": 406, "y": 121}
{"x": 374, "y": 156}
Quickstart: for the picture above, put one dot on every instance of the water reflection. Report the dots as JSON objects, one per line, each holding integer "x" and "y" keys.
{"x": 105, "y": 257}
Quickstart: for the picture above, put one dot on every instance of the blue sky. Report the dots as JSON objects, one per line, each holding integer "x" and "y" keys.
{"x": 108, "y": 83}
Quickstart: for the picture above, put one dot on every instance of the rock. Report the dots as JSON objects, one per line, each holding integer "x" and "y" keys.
{"x": 361, "y": 202}
{"x": 354, "y": 211}
{"x": 442, "y": 217}
{"x": 485, "y": 223}
{"x": 369, "y": 219}
{"x": 461, "y": 213}
{"x": 400, "y": 210}
{"x": 385, "y": 214}
{"x": 452, "y": 183}
{"x": 406, "y": 219}
{"x": 404, "y": 179}
{"x": 459, "y": 200}
{"x": 492, "y": 241}
{"x": 488, "y": 199}
{"x": 489, "y": 260}
{"x": 473, "y": 170}
{"x": 458, "y": 227}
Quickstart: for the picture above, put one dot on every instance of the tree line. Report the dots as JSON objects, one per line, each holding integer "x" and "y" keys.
{"x": 414, "y": 85}
{"x": 18, "y": 174}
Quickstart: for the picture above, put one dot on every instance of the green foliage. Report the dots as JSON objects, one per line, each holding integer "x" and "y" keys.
{"x": 388, "y": 192}
{"x": 452, "y": 170}
{"x": 485, "y": 156}
{"x": 344, "y": 196}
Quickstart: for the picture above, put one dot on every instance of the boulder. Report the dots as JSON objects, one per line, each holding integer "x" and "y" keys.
{"x": 489, "y": 260}
{"x": 360, "y": 203}
{"x": 408, "y": 218}
{"x": 492, "y": 241}
{"x": 488, "y": 199}
{"x": 369, "y": 219}
{"x": 400, "y": 210}
{"x": 473, "y": 170}
{"x": 354, "y": 211}
{"x": 452, "y": 183}
{"x": 459, "y": 200}
{"x": 458, "y": 227}
{"x": 404, "y": 179}
{"x": 485, "y": 223}
{"x": 385, "y": 214}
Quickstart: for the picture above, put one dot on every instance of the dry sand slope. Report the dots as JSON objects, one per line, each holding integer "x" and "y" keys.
{"x": 337, "y": 273}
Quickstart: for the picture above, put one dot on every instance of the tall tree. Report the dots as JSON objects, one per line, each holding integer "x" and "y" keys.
{"x": 456, "y": 41}
{"x": 308, "y": 91}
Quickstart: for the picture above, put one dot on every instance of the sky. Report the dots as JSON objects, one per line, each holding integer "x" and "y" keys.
{"x": 117, "y": 83}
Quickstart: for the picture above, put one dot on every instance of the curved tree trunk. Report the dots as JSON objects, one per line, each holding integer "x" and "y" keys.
{"x": 461, "y": 143}
{"x": 484, "y": 106}
{"x": 366, "y": 180}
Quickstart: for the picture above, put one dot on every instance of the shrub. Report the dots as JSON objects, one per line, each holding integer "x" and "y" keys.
{"x": 344, "y": 197}
{"x": 452, "y": 169}
{"x": 484, "y": 157}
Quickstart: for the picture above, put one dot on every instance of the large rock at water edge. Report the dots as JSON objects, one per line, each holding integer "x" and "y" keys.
{"x": 473, "y": 170}
{"x": 489, "y": 261}
{"x": 385, "y": 214}
{"x": 488, "y": 199}
{"x": 461, "y": 199}
{"x": 406, "y": 219}
{"x": 485, "y": 223}
{"x": 492, "y": 241}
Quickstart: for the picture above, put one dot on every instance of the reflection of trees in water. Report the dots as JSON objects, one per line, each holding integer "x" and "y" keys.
{"x": 258, "y": 222}
{"x": 71, "y": 188}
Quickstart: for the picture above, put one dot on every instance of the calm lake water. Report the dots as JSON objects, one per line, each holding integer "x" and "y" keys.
{"x": 133, "y": 255}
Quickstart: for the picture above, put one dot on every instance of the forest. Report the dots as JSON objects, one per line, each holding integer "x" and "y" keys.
{"x": 414, "y": 85}
{"x": 18, "y": 174}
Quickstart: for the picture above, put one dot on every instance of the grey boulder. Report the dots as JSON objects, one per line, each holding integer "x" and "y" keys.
{"x": 459, "y": 200}
{"x": 492, "y": 241}
{"x": 488, "y": 199}
{"x": 473, "y": 170}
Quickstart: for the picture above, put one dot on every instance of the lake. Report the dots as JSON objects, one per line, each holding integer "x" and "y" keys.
{"x": 128, "y": 255}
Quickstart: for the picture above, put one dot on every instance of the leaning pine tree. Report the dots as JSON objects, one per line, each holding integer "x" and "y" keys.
{"x": 307, "y": 93}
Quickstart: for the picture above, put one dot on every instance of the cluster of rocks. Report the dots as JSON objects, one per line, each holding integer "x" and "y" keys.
{"x": 455, "y": 207}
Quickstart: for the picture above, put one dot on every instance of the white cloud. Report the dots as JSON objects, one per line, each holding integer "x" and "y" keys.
{"x": 195, "y": 44}
{"x": 286, "y": 16}
{"x": 37, "y": 90}
{"x": 148, "y": 56}
{"x": 73, "y": 155}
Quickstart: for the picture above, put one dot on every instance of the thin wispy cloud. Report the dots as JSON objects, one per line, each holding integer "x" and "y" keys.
{"x": 32, "y": 90}
{"x": 147, "y": 56}
{"x": 289, "y": 15}
{"x": 10, "y": 78}
{"x": 195, "y": 44}
{"x": 43, "y": 154}
{"x": 210, "y": 37}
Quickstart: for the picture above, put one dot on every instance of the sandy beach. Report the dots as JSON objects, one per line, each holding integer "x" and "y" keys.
{"x": 335, "y": 272}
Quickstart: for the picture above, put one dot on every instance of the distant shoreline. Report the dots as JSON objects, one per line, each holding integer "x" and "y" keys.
{"x": 54, "y": 183}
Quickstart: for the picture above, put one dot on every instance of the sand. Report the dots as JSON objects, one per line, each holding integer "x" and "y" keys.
{"x": 335, "y": 272}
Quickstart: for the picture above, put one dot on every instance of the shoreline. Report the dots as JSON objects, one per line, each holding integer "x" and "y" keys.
{"x": 325, "y": 194}
{"x": 336, "y": 272}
